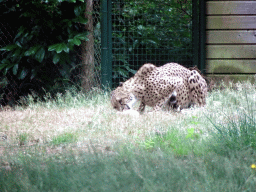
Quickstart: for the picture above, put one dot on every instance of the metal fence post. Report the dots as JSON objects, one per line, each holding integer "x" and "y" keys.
{"x": 110, "y": 42}
{"x": 106, "y": 64}
{"x": 202, "y": 28}
{"x": 195, "y": 32}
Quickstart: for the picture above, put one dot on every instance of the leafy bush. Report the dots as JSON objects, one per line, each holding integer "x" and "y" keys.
{"x": 44, "y": 48}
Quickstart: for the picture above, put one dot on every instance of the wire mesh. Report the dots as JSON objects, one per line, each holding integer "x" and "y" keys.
{"x": 97, "y": 42}
{"x": 7, "y": 34}
{"x": 146, "y": 31}
{"x": 80, "y": 67}
{"x": 90, "y": 71}
{"x": 83, "y": 70}
{"x": 143, "y": 31}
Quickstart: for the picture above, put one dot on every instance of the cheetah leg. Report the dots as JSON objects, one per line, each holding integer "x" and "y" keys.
{"x": 132, "y": 102}
{"x": 158, "y": 107}
{"x": 198, "y": 88}
{"x": 142, "y": 107}
{"x": 163, "y": 101}
{"x": 171, "y": 103}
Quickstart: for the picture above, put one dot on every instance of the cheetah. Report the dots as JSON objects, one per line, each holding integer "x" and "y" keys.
{"x": 170, "y": 85}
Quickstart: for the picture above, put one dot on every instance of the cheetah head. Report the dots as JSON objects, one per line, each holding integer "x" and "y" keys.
{"x": 118, "y": 102}
{"x": 122, "y": 100}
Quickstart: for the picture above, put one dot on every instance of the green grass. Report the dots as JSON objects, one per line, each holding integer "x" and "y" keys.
{"x": 134, "y": 170}
{"x": 239, "y": 134}
{"x": 84, "y": 145}
{"x": 23, "y": 138}
{"x": 64, "y": 138}
{"x": 176, "y": 143}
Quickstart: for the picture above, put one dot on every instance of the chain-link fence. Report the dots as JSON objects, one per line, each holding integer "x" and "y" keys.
{"x": 143, "y": 31}
{"x": 40, "y": 69}
{"x": 7, "y": 34}
{"x": 90, "y": 56}
{"x": 146, "y": 31}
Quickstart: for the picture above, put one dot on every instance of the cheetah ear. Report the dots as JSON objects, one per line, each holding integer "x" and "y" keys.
{"x": 118, "y": 99}
{"x": 121, "y": 84}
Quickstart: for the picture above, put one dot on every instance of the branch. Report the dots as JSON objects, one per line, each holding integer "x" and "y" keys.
{"x": 183, "y": 10}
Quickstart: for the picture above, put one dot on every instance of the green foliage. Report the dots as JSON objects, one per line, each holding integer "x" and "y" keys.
{"x": 123, "y": 71}
{"x": 46, "y": 38}
{"x": 191, "y": 134}
{"x": 46, "y": 33}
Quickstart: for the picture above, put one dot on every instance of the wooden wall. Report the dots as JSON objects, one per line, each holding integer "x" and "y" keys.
{"x": 231, "y": 37}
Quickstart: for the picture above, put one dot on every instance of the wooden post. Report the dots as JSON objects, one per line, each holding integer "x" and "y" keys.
{"x": 88, "y": 76}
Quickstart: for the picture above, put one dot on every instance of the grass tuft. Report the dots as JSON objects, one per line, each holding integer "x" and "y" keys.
{"x": 175, "y": 142}
{"x": 64, "y": 138}
{"x": 23, "y": 138}
{"x": 238, "y": 134}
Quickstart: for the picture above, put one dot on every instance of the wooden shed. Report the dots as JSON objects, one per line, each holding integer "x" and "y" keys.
{"x": 230, "y": 41}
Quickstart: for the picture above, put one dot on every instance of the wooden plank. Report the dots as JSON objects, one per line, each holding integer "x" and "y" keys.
{"x": 231, "y": 36}
{"x": 230, "y": 51}
{"x": 231, "y": 66}
{"x": 231, "y": 8}
{"x": 231, "y": 22}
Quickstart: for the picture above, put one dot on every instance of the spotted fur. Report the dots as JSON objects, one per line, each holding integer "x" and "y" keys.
{"x": 171, "y": 84}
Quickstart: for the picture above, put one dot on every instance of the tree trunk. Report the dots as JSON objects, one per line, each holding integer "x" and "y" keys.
{"x": 88, "y": 76}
